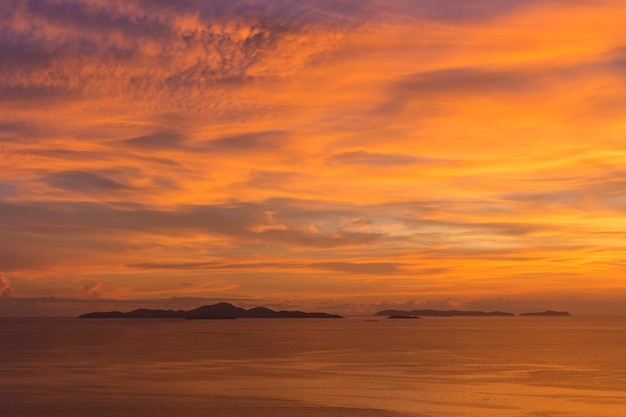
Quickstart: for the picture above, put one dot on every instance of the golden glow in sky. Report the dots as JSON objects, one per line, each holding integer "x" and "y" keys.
{"x": 330, "y": 154}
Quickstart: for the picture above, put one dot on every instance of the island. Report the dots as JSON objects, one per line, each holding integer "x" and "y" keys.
{"x": 548, "y": 313}
{"x": 220, "y": 311}
{"x": 441, "y": 313}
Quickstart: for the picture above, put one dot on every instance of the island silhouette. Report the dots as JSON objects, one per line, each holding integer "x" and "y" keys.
{"x": 450, "y": 313}
{"x": 548, "y": 313}
{"x": 442, "y": 313}
{"x": 214, "y": 311}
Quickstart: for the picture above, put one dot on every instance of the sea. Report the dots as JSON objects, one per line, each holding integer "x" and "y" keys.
{"x": 365, "y": 367}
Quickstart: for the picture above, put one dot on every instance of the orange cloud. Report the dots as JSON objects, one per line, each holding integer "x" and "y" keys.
{"x": 326, "y": 150}
{"x": 5, "y": 287}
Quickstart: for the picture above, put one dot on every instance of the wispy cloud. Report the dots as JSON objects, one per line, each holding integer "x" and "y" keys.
{"x": 379, "y": 159}
{"x": 83, "y": 182}
{"x": 430, "y": 150}
{"x": 247, "y": 142}
{"x": 157, "y": 141}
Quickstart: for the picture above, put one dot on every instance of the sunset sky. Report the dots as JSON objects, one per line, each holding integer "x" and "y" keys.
{"x": 323, "y": 155}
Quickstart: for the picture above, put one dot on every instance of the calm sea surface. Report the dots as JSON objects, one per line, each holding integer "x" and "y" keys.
{"x": 510, "y": 366}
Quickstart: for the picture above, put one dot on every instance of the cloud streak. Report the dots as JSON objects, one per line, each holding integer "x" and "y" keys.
{"x": 80, "y": 181}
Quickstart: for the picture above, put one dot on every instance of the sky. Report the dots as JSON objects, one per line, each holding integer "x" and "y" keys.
{"x": 343, "y": 156}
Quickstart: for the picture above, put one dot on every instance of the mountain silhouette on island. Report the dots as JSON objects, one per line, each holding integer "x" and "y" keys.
{"x": 215, "y": 311}
{"x": 450, "y": 313}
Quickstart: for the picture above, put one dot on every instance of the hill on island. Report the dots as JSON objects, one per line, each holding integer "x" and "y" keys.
{"x": 215, "y": 311}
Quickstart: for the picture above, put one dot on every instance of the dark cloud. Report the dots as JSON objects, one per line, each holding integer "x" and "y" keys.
{"x": 321, "y": 240}
{"x": 170, "y": 163}
{"x": 275, "y": 180}
{"x": 156, "y": 141}
{"x": 210, "y": 265}
{"x": 20, "y": 128}
{"x": 83, "y": 182}
{"x": 377, "y": 159}
{"x": 275, "y": 16}
{"x": 70, "y": 215}
{"x": 489, "y": 228}
{"x": 467, "y": 10}
{"x": 350, "y": 14}
{"x": 431, "y": 87}
{"x": 98, "y": 19}
{"x": 607, "y": 192}
{"x": 165, "y": 183}
{"x": 234, "y": 42}
{"x": 617, "y": 60}
{"x": 24, "y": 251}
{"x": 432, "y": 271}
{"x": 247, "y": 142}
{"x": 139, "y": 51}
{"x": 7, "y": 190}
{"x": 24, "y": 52}
{"x": 347, "y": 12}
{"x": 558, "y": 197}
{"x": 44, "y": 245}
{"x": 432, "y": 90}
{"x": 27, "y": 93}
{"x": 25, "y": 131}
{"x": 369, "y": 268}
{"x": 465, "y": 80}
{"x": 290, "y": 223}
{"x": 239, "y": 221}
{"x": 65, "y": 154}
{"x": 62, "y": 178}
{"x": 240, "y": 143}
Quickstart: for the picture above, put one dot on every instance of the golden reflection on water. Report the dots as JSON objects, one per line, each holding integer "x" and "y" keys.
{"x": 432, "y": 367}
